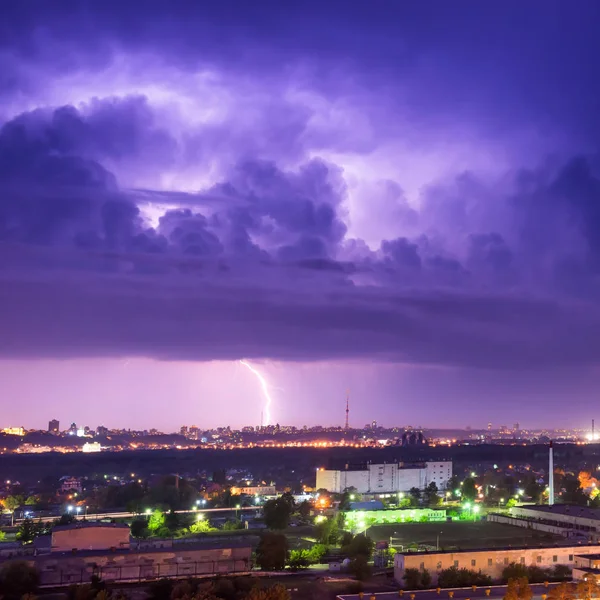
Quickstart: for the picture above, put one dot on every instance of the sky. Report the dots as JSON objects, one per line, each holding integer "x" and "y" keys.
{"x": 399, "y": 200}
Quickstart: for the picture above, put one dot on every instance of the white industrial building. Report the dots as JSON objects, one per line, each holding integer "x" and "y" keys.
{"x": 493, "y": 561}
{"x": 385, "y": 478}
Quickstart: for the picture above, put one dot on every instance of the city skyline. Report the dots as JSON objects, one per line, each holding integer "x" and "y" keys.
{"x": 400, "y": 200}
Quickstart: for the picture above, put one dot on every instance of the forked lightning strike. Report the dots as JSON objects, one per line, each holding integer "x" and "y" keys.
{"x": 265, "y": 389}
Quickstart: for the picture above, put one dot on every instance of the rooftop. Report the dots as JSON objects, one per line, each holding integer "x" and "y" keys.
{"x": 95, "y": 525}
{"x": 566, "y": 509}
{"x": 562, "y": 545}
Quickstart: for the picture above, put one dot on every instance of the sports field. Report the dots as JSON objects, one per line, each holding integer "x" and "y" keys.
{"x": 460, "y": 534}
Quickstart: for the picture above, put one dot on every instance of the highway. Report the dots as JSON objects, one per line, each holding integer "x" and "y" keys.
{"x": 130, "y": 515}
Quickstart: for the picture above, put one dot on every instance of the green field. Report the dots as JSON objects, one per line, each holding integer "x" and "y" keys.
{"x": 460, "y": 534}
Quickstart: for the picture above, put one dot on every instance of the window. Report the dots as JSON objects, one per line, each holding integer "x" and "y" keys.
{"x": 506, "y": 560}
{"x": 555, "y": 558}
{"x": 570, "y": 558}
{"x": 439, "y": 565}
{"x": 539, "y": 559}
{"x": 522, "y": 560}
{"x": 490, "y": 562}
{"x": 422, "y": 567}
{"x": 456, "y": 563}
{"x": 473, "y": 562}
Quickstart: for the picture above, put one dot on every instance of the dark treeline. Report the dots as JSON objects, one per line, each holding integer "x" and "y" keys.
{"x": 31, "y": 467}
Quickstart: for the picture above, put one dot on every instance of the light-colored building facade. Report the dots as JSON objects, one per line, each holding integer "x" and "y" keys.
{"x": 254, "y": 490}
{"x": 90, "y": 536}
{"x": 70, "y": 484}
{"x": 491, "y": 562}
{"x": 385, "y": 478}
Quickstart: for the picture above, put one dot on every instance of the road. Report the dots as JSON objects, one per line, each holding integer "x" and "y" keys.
{"x": 130, "y": 515}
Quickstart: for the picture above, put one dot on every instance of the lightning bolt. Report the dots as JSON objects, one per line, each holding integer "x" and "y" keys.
{"x": 265, "y": 389}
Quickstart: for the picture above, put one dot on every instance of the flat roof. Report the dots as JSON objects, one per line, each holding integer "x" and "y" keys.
{"x": 94, "y": 525}
{"x": 133, "y": 550}
{"x": 496, "y": 591}
{"x": 571, "y": 510}
{"x": 502, "y": 549}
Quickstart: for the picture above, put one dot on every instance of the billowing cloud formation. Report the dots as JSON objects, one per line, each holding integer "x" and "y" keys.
{"x": 164, "y": 194}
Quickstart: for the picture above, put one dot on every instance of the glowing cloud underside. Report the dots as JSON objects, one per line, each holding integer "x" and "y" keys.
{"x": 265, "y": 389}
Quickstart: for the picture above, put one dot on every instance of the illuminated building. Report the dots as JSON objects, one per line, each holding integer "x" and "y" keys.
{"x": 254, "y": 490}
{"x": 385, "y": 478}
{"x": 91, "y": 447}
{"x": 54, "y": 427}
{"x": 13, "y": 431}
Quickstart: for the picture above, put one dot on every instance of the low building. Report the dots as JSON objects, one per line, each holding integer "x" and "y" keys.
{"x": 586, "y": 565}
{"x": 254, "y": 490}
{"x": 91, "y": 447}
{"x": 357, "y": 520}
{"x": 387, "y": 478}
{"x": 77, "y": 552}
{"x": 90, "y": 536}
{"x": 14, "y": 431}
{"x": 566, "y": 519}
{"x": 490, "y": 561}
{"x": 70, "y": 484}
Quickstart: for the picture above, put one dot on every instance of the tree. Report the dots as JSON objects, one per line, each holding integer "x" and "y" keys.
{"x": 561, "y": 573}
{"x": 272, "y": 551}
{"x": 412, "y": 579}
{"x": 573, "y": 494}
{"x": 455, "y": 577}
{"x": 156, "y": 521}
{"x": 415, "y": 496}
{"x": 534, "y": 490}
{"x": 139, "y": 528}
{"x": 277, "y": 513}
{"x": 469, "y": 489}
{"x": 13, "y": 502}
{"x": 588, "y": 588}
{"x": 514, "y": 571}
{"x": 563, "y": 591}
{"x": 453, "y": 484}
{"x": 18, "y": 578}
{"x": 27, "y": 532}
{"x": 431, "y": 496}
{"x": 299, "y": 559}
{"x": 304, "y": 509}
{"x": 425, "y": 578}
{"x": 31, "y": 501}
{"x": 518, "y": 589}
{"x": 275, "y": 592}
{"x": 360, "y": 568}
{"x": 360, "y": 545}
{"x": 202, "y": 526}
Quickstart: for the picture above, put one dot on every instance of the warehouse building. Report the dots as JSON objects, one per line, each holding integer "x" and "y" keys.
{"x": 387, "y": 478}
{"x": 77, "y": 552}
{"x": 490, "y": 561}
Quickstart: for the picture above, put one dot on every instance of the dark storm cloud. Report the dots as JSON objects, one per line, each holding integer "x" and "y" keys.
{"x": 494, "y": 63}
{"x": 483, "y": 271}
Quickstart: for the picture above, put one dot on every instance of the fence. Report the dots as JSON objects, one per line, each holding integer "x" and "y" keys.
{"x": 56, "y": 577}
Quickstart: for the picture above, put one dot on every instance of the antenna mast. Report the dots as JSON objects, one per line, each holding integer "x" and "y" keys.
{"x": 347, "y": 426}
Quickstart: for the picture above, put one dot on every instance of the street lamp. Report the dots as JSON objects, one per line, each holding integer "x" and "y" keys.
{"x": 78, "y": 509}
{"x": 69, "y": 509}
